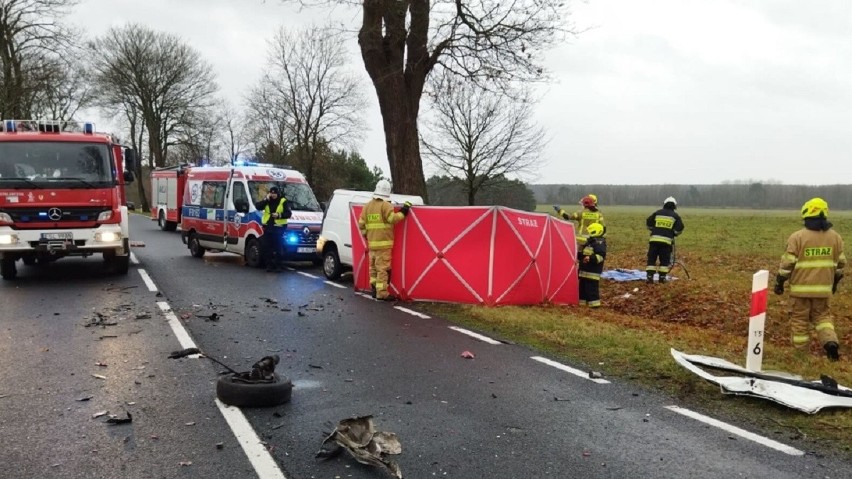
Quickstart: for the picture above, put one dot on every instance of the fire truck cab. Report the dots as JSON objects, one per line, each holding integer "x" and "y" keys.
{"x": 62, "y": 194}
{"x": 218, "y": 212}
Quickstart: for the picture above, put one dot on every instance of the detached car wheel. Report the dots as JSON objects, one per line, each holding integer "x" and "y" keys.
{"x": 331, "y": 266}
{"x": 240, "y": 394}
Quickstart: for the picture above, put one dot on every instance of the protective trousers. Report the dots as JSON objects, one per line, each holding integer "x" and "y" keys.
{"x": 380, "y": 263}
{"x": 590, "y": 292}
{"x": 663, "y": 252}
{"x": 272, "y": 252}
{"x": 807, "y": 311}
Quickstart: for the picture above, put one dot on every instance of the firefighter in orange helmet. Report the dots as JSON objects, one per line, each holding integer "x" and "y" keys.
{"x": 376, "y": 224}
{"x": 585, "y": 217}
{"x": 813, "y": 263}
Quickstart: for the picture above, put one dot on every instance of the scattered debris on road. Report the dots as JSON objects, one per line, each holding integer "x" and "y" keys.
{"x": 99, "y": 414}
{"x": 114, "y": 421}
{"x": 101, "y": 320}
{"x": 84, "y": 398}
{"x": 595, "y": 375}
{"x": 98, "y": 376}
{"x": 467, "y": 355}
{"x": 359, "y": 437}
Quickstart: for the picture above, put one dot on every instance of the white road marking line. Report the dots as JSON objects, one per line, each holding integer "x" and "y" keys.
{"x": 475, "y": 335}
{"x": 148, "y": 281}
{"x": 739, "y": 432}
{"x": 258, "y": 455}
{"x": 412, "y": 312}
{"x": 365, "y": 295}
{"x": 180, "y": 332}
{"x": 569, "y": 369}
{"x": 332, "y": 283}
{"x": 290, "y": 268}
{"x": 134, "y": 259}
{"x": 309, "y": 275}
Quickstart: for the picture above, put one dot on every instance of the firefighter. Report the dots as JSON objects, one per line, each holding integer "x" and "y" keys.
{"x": 664, "y": 225}
{"x": 376, "y": 224}
{"x": 591, "y": 259}
{"x": 813, "y": 263}
{"x": 588, "y": 215}
{"x": 276, "y": 211}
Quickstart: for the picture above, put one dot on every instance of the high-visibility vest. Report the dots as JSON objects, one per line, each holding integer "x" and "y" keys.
{"x": 268, "y": 214}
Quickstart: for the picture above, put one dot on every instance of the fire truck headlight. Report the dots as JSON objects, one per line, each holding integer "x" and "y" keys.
{"x": 105, "y": 215}
{"x": 5, "y": 218}
{"x": 6, "y": 239}
{"x": 107, "y": 236}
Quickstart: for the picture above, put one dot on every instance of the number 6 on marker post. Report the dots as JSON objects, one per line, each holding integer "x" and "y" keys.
{"x": 757, "y": 320}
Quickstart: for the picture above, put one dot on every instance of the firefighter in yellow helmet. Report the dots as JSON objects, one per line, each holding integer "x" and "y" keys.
{"x": 813, "y": 263}
{"x": 376, "y": 224}
{"x": 591, "y": 260}
{"x": 585, "y": 217}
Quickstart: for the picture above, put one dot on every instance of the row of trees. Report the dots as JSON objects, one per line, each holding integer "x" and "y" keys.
{"x": 750, "y": 195}
{"x": 306, "y": 111}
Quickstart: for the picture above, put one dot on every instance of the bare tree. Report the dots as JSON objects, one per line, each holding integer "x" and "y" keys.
{"x": 235, "y": 140}
{"x": 479, "y": 136}
{"x": 70, "y": 91}
{"x": 486, "y": 41}
{"x": 312, "y": 100}
{"x": 166, "y": 80}
{"x": 33, "y": 42}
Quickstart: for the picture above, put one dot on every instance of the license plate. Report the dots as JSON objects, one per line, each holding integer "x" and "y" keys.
{"x": 306, "y": 250}
{"x": 57, "y": 236}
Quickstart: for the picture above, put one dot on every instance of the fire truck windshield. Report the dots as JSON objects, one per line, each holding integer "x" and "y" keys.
{"x": 52, "y": 164}
{"x": 299, "y": 195}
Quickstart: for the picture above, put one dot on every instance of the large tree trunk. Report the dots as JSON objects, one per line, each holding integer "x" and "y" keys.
{"x": 399, "y": 105}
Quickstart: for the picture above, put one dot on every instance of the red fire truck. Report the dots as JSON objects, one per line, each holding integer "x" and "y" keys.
{"x": 62, "y": 194}
{"x": 167, "y": 185}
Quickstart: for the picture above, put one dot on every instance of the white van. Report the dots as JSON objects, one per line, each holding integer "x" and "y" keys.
{"x": 334, "y": 245}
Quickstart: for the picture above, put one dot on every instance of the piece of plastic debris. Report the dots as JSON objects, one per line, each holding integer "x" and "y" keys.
{"x": 595, "y": 375}
{"x": 103, "y": 365}
{"x": 120, "y": 420}
{"x": 467, "y": 355}
{"x": 359, "y": 437}
{"x": 84, "y": 398}
{"x": 185, "y": 463}
{"x": 98, "y": 376}
{"x": 220, "y": 445}
{"x": 191, "y": 423}
{"x": 99, "y": 414}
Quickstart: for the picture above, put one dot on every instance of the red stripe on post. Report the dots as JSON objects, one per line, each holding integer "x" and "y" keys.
{"x": 758, "y": 302}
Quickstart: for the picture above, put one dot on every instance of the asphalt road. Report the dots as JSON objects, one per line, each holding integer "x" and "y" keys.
{"x": 502, "y": 414}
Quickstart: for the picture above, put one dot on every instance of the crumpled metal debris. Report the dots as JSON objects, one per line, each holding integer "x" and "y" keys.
{"x": 359, "y": 437}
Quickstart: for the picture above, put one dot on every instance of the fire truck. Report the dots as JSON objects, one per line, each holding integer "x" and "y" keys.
{"x": 167, "y": 185}
{"x": 214, "y": 206}
{"x": 62, "y": 194}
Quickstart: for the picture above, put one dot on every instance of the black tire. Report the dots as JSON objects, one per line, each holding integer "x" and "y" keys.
{"x": 164, "y": 224}
{"x": 8, "y": 270}
{"x": 195, "y": 248}
{"x": 252, "y": 254}
{"x": 331, "y": 267}
{"x": 120, "y": 264}
{"x": 253, "y": 395}
{"x": 29, "y": 260}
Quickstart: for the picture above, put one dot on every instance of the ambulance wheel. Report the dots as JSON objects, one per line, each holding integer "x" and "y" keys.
{"x": 8, "y": 270}
{"x": 195, "y": 248}
{"x": 331, "y": 266}
{"x": 253, "y": 253}
{"x": 241, "y": 394}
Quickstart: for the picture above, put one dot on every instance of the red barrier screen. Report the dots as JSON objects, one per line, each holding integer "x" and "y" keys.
{"x": 476, "y": 254}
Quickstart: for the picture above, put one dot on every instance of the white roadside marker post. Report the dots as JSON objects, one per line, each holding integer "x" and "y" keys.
{"x": 757, "y": 320}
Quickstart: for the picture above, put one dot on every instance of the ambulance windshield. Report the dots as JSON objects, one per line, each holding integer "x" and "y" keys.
{"x": 53, "y": 164}
{"x": 299, "y": 195}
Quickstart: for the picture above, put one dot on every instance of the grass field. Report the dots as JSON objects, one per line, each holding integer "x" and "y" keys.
{"x": 630, "y": 337}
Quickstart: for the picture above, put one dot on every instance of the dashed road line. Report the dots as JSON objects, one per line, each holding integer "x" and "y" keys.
{"x": 182, "y": 335}
{"x": 309, "y": 275}
{"x": 263, "y": 463}
{"x": 569, "y": 369}
{"x": 365, "y": 295}
{"x": 332, "y": 283}
{"x": 765, "y": 441}
{"x": 412, "y": 312}
{"x": 148, "y": 281}
{"x": 475, "y": 335}
{"x": 134, "y": 259}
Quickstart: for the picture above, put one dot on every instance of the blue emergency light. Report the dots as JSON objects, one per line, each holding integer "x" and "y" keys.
{"x": 88, "y": 128}
{"x": 292, "y": 238}
{"x": 10, "y": 126}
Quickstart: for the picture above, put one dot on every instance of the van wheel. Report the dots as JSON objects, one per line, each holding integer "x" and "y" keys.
{"x": 331, "y": 266}
{"x": 252, "y": 254}
{"x": 7, "y": 269}
{"x": 195, "y": 248}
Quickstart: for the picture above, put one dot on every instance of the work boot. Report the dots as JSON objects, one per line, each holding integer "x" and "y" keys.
{"x": 372, "y": 290}
{"x": 832, "y": 351}
{"x": 650, "y": 279}
{"x": 662, "y": 278}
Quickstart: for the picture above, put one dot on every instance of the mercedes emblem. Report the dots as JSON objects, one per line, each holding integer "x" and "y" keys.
{"x": 54, "y": 214}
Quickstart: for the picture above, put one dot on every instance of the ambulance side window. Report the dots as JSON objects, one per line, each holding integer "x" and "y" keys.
{"x": 213, "y": 194}
{"x": 240, "y": 196}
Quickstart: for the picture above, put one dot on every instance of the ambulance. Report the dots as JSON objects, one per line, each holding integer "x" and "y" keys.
{"x": 218, "y": 213}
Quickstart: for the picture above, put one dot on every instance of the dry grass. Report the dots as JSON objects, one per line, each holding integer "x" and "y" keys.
{"x": 707, "y": 314}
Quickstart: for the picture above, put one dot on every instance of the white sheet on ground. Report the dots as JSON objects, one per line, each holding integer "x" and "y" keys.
{"x": 796, "y": 397}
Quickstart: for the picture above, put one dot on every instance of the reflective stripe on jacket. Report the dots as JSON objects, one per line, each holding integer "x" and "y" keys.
{"x": 376, "y": 223}
{"x": 664, "y": 224}
{"x": 584, "y": 218}
{"x": 810, "y": 262}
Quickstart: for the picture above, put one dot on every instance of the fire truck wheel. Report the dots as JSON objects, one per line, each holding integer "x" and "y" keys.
{"x": 253, "y": 395}
{"x": 164, "y": 224}
{"x": 253, "y": 253}
{"x": 331, "y": 266}
{"x": 8, "y": 270}
{"x": 195, "y": 248}
{"x": 29, "y": 260}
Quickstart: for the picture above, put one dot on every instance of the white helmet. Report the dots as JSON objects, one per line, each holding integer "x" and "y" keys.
{"x": 671, "y": 200}
{"x": 383, "y": 189}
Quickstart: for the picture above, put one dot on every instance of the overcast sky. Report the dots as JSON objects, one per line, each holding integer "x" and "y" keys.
{"x": 653, "y": 91}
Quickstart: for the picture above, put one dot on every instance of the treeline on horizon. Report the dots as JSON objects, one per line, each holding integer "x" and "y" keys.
{"x": 752, "y": 195}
